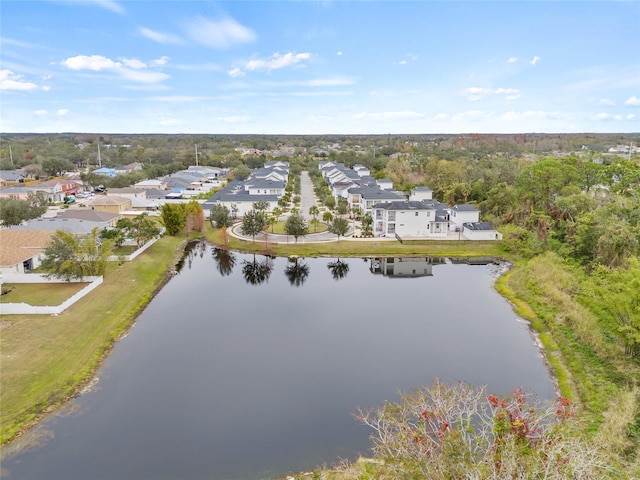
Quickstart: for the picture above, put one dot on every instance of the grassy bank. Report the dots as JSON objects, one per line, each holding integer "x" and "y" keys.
{"x": 361, "y": 248}
{"x": 46, "y": 358}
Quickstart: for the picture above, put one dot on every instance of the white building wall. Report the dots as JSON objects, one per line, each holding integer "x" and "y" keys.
{"x": 413, "y": 223}
{"x": 481, "y": 234}
{"x": 458, "y": 218}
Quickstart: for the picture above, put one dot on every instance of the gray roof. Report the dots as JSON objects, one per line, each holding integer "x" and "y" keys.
{"x": 235, "y": 192}
{"x": 404, "y": 206}
{"x": 264, "y": 183}
{"x": 465, "y": 208}
{"x": 477, "y": 226}
{"x": 422, "y": 189}
{"x": 375, "y": 193}
{"x": 155, "y": 193}
{"x": 71, "y": 225}
{"x": 11, "y": 175}
{"x": 88, "y": 214}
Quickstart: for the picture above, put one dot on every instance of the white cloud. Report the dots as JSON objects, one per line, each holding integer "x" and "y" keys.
{"x": 474, "y": 94}
{"x": 330, "y": 82}
{"x": 62, "y": 112}
{"x": 607, "y": 117}
{"x": 236, "y": 72}
{"x": 389, "y": 116}
{"x": 159, "y": 62}
{"x": 277, "y": 61}
{"x": 339, "y": 53}
{"x": 219, "y": 34}
{"x": 631, "y": 116}
{"x": 12, "y": 81}
{"x": 40, "y": 113}
{"x": 632, "y": 101}
{"x": 91, "y": 62}
{"x": 607, "y": 102}
{"x": 535, "y": 60}
{"x": 110, "y": 5}
{"x": 129, "y": 69}
{"x": 164, "y": 38}
{"x": 133, "y": 63}
{"x": 512, "y": 59}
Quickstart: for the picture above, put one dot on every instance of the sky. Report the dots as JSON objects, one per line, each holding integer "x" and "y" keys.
{"x": 319, "y": 67}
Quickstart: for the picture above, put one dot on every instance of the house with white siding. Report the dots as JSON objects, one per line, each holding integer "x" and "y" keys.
{"x": 461, "y": 214}
{"x": 410, "y": 219}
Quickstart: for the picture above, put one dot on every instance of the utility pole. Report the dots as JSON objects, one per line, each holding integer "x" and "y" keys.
{"x": 99, "y": 158}
{"x": 196, "y": 154}
{"x": 10, "y": 155}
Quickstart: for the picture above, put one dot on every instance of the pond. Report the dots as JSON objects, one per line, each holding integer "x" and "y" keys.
{"x": 250, "y": 367}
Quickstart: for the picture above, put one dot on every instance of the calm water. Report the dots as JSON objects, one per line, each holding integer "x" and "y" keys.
{"x": 249, "y": 368}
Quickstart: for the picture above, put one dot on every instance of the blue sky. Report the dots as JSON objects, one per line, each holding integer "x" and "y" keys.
{"x": 319, "y": 67}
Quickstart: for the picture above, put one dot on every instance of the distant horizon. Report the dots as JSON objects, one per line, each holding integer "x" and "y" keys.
{"x": 310, "y": 67}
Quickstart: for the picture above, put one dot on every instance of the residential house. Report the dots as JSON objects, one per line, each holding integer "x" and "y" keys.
{"x": 110, "y": 203}
{"x": 75, "y": 226}
{"x": 385, "y": 184}
{"x": 418, "y": 194}
{"x": 239, "y": 200}
{"x": 128, "y": 192}
{"x": 410, "y": 219}
{"x": 105, "y": 171}
{"x": 154, "y": 183}
{"x": 8, "y": 177}
{"x": 363, "y": 199}
{"x": 22, "y": 250}
{"x": 90, "y": 215}
{"x": 461, "y": 214}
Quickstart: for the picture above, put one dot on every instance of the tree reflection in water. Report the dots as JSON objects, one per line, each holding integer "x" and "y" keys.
{"x": 225, "y": 261}
{"x": 338, "y": 269}
{"x": 193, "y": 248}
{"x": 296, "y": 272}
{"x": 256, "y": 272}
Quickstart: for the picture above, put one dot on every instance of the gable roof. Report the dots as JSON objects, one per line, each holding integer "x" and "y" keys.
{"x": 21, "y": 245}
{"x": 465, "y": 208}
{"x": 108, "y": 200}
{"x": 88, "y": 214}
{"x": 74, "y": 226}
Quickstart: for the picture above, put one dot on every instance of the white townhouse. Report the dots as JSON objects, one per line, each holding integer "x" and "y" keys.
{"x": 461, "y": 214}
{"x": 363, "y": 198}
{"x": 419, "y": 194}
{"x": 410, "y": 219}
{"x": 260, "y": 186}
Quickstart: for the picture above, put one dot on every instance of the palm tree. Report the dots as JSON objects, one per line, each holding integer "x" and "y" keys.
{"x": 225, "y": 261}
{"x": 339, "y": 269}
{"x": 296, "y": 272}
{"x": 314, "y": 211}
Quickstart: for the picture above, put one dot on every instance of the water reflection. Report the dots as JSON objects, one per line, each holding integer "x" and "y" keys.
{"x": 193, "y": 248}
{"x": 296, "y": 271}
{"x": 257, "y": 272}
{"x": 405, "y": 266}
{"x": 338, "y": 269}
{"x": 225, "y": 261}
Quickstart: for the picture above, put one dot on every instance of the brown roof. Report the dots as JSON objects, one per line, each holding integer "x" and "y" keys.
{"x": 19, "y": 245}
{"x": 108, "y": 200}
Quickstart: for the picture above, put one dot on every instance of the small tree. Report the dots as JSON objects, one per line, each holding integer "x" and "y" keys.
{"x": 339, "y": 226}
{"x": 194, "y": 217}
{"x": 173, "y": 217}
{"x": 296, "y": 226}
{"x": 261, "y": 206}
{"x": 253, "y": 223}
{"x": 367, "y": 222}
{"x": 14, "y": 211}
{"x": 142, "y": 229}
{"x": 343, "y": 206}
{"x": 314, "y": 211}
{"x": 327, "y": 217}
{"x": 68, "y": 257}
{"x": 220, "y": 216}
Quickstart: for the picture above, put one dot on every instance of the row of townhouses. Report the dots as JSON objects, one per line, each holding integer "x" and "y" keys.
{"x": 393, "y": 214}
{"x": 266, "y": 184}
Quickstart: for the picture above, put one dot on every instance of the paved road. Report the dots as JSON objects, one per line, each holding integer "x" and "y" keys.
{"x": 307, "y": 195}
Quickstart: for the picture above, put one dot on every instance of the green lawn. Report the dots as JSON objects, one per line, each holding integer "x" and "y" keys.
{"x": 40, "y": 294}
{"x": 46, "y": 358}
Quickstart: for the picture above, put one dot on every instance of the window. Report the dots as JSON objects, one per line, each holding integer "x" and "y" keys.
{"x": 416, "y": 214}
